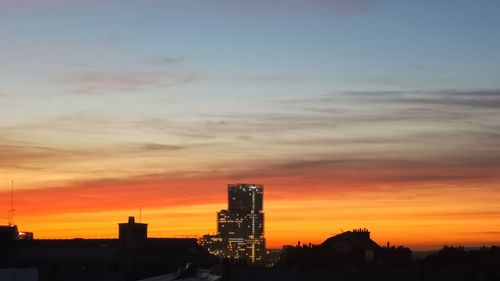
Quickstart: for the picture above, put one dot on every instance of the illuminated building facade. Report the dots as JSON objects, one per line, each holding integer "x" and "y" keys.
{"x": 240, "y": 228}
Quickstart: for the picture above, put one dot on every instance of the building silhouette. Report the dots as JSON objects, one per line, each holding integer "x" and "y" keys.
{"x": 348, "y": 249}
{"x": 356, "y": 245}
{"x": 131, "y": 257}
{"x": 240, "y": 228}
{"x": 132, "y": 233}
{"x": 8, "y": 233}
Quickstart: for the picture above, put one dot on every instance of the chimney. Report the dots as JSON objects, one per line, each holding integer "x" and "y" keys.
{"x": 131, "y": 219}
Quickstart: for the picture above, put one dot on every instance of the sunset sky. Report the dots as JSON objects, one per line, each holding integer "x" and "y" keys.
{"x": 352, "y": 113}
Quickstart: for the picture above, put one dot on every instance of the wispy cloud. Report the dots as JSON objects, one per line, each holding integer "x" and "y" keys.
{"x": 337, "y": 6}
{"x": 167, "y": 60}
{"x": 161, "y": 147}
{"x": 345, "y": 6}
{"x": 284, "y": 180}
{"x": 75, "y": 64}
{"x": 493, "y": 233}
{"x": 23, "y": 155}
{"x": 373, "y": 137}
{"x": 367, "y": 174}
{"x": 478, "y": 98}
{"x": 413, "y": 99}
{"x": 250, "y": 79}
{"x": 87, "y": 43}
{"x": 93, "y": 82}
{"x": 241, "y": 6}
{"x": 460, "y": 110}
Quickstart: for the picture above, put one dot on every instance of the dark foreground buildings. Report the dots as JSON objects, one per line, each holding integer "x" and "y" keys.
{"x": 240, "y": 228}
{"x": 133, "y": 256}
{"x": 348, "y": 256}
{"x": 350, "y": 248}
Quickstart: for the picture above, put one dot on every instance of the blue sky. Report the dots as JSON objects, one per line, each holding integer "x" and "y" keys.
{"x": 92, "y": 63}
{"x": 369, "y": 44}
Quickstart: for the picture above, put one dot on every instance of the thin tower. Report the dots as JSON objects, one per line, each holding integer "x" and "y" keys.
{"x": 11, "y": 211}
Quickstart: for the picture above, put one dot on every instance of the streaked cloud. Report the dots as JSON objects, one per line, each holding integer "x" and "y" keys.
{"x": 241, "y": 6}
{"x": 93, "y": 82}
{"x": 75, "y": 64}
{"x": 83, "y": 43}
{"x": 167, "y": 60}
{"x": 478, "y": 98}
{"x": 158, "y": 146}
{"x": 322, "y": 178}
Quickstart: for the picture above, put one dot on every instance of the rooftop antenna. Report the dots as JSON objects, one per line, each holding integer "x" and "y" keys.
{"x": 11, "y": 211}
{"x": 140, "y": 215}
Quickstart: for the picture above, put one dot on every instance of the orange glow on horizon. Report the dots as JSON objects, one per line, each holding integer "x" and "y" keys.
{"x": 422, "y": 219}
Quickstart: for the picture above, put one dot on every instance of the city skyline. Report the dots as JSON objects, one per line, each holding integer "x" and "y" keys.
{"x": 352, "y": 113}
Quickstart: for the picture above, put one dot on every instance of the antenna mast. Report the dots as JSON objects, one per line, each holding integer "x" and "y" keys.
{"x": 11, "y": 211}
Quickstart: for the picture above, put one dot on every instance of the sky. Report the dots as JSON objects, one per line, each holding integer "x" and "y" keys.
{"x": 353, "y": 113}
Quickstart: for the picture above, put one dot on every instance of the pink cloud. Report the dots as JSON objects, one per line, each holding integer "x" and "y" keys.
{"x": 100, "y": 81}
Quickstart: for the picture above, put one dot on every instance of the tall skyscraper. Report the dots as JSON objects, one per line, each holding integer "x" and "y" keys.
{"x": 245, "y": 197}
{"x": 240, "y": 228}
